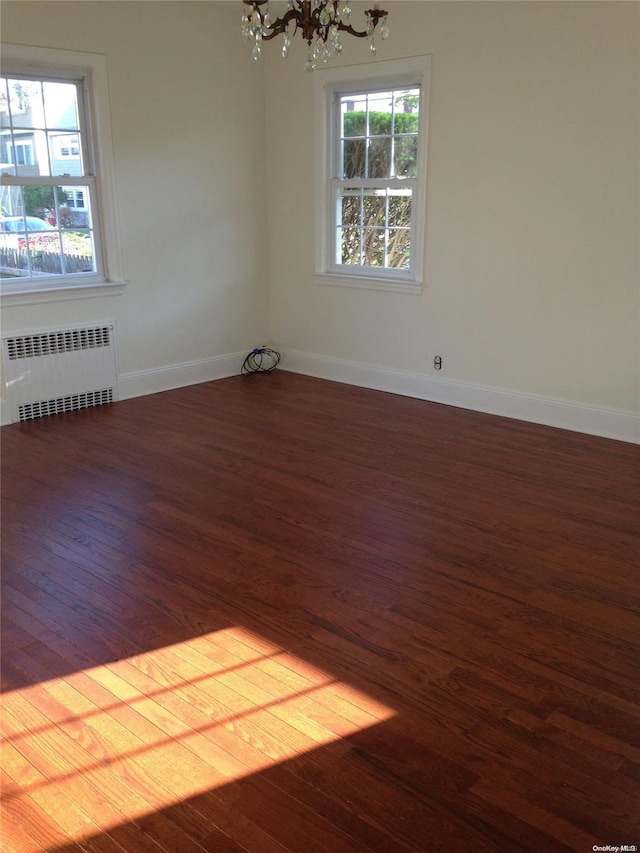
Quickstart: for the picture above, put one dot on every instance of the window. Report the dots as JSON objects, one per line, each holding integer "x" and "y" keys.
{"x": 373, "y": 173}
{"x": 68, "y": 146}
{"x": 75, "y": 198}
{"x": 57, "y": 212}
{"x": 23, "y": 153}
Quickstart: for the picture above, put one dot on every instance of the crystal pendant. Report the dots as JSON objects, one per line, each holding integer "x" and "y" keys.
{"x": 384, "y": 30}
{"x": 320, "y": 50}
{"x": 346, "y": 13}
{"x": 310, "y": 64}
{"x": 325, "y": 17}
{"x": 257, "y": 47}
{"x": 286, "y": 44}
{"x": 334, "y": 35}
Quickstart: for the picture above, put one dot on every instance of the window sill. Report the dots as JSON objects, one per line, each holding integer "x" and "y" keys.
{"x": 15, "y": 294}
{"x": 392, "y": 285}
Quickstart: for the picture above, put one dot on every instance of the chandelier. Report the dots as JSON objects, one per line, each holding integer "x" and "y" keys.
{"x": 319, "y": 21}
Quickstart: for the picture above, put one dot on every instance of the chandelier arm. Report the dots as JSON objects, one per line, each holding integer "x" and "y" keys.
{"x": 347, "y": 28}
{"x": 374, "y": 14}
{"x": 280, "y": 25}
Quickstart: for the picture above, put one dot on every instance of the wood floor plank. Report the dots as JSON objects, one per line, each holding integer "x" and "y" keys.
{"x": 280, "y": 614}
{"x": 25, "y": 827}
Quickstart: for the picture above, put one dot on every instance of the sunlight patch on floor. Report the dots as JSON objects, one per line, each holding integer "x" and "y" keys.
{"x": 88, "y": 751}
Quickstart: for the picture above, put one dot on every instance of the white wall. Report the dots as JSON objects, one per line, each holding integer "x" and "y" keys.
{"x": 532, "y": 212}
{"x": 188, "y": 129}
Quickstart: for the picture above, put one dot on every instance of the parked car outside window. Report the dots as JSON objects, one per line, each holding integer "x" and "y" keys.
{"x": 17, "y": 224}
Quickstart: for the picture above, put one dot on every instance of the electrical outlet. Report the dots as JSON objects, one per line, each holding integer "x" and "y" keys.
{"x": 437, "y": 362}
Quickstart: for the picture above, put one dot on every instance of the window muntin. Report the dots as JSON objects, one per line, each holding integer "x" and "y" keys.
{"x": 46, "y": 168}
{"x": 374, "y": 180}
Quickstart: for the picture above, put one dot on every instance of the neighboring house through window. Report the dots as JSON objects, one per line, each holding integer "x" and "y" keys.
{"x": 373, "y": 173}
{"x": 57, "y": 214}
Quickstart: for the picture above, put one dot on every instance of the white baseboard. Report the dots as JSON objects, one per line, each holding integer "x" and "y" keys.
{"x": 593, "y": 420}
{"x": 138, "y": 383}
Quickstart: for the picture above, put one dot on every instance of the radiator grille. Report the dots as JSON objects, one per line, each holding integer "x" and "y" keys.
{"x": 70, "y": 403}
{"x": 50, "y": 371}
{"x": 54, "y": 343}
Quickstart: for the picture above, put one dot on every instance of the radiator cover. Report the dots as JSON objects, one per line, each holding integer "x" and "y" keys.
{"x": 60, "y": 370}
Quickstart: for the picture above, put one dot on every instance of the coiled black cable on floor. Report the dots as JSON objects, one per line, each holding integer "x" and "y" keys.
{"x": 261, "y": 360}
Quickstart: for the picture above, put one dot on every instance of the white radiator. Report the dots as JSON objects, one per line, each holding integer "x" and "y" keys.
{"x": 62, "y": 370}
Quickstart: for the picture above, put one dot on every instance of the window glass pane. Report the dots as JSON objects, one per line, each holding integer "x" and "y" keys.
{"x": 380, "y": 110}
{"x": 406, "y": 102}
{"x": 380, "y": 101}
{"x": 4, "y": 104}
{"x": 25, "y": 103}
{"x": 374, "y": 207}
{"x": 379, "y": 163}
{"x": 399, "y": 248}
{"x": 66, "y": 157}
{"x": 60, "y": 105}
{"x": 44, "y": 250}
{"x": 405, "y": 123}
{"x": 14, "y": 260}
{"x": 350, "y": 208}
{"x": 10, "y": 206}
{"x": 73, "y": 207}
{"x": 7, "y": 156}
{"x": 35, "y": 163}
{"x": 354, "y": 121}
{"x": 349, "y": 243}
{"x": 400, "y": 210}
{"x": 406, "y": 156}
{"x": 373, "y": 247}
{"x": 78, "y": 253}
{"x": 40, "y": 202}
{"x": 354, "y": 158}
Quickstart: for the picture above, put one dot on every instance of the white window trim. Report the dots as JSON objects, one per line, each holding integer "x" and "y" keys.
{"x": 327, "y": 82}
{"x": 42, "y": 61}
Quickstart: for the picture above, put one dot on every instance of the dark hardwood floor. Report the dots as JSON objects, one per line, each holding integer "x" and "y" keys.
{"x": 273, "y": 613}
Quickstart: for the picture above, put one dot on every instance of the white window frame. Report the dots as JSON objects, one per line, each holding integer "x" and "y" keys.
{"x": 330, "y": 84}
{"x": 92, "y": 69}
